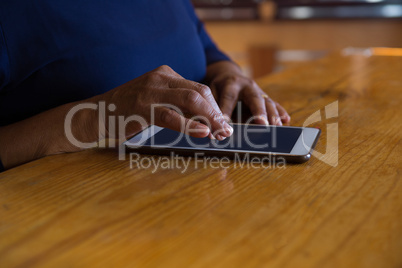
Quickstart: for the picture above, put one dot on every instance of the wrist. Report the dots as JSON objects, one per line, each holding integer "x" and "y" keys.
{"x": 77, "y": 129}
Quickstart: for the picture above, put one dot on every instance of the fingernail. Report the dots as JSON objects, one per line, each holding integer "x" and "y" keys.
{"x": 263, "y": 118}
{"x": 278, "y": 121}
{"x": 220, "y": 138}
{"x": 211, "y": 136}
{"x": 228, "y": 128}
{"x": 203, "y": 128}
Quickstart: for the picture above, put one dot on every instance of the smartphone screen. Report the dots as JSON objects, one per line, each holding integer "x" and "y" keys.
{"x": 244, "y": 138}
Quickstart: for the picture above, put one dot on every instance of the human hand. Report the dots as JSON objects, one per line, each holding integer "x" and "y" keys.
{"x": 142, "y": 95}
{"x": 231, "y": 85}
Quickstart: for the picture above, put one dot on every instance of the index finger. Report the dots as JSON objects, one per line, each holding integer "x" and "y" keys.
{"x": 194, "y": 103}
{"x": 202, "y": 89}
{"x": 256, "y": 104}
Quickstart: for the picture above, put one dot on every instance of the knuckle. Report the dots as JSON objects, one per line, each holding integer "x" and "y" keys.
{"x": 167, "y": 116}
{"x": 204, "y": 90}
{"x": 192, "y": 97}
{"x": 154, "y": 77}
{"x": 234, "y": 79}
{"x": 214, "y": 116}
{"x": 230, "y": 96}
{"x": 254, "y": 95}
{"x": 271, "y": 102}
{"x": 164, "y": 68}
{"x": 244, "y": 80}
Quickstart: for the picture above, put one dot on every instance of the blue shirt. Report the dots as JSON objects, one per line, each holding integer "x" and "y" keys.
{"x": 55, "y": 52}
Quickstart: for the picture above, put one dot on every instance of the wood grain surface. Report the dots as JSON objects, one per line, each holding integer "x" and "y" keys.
{"x": 89, "y": 209}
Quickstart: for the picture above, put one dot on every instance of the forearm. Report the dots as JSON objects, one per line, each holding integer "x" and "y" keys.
{"x": 44, "y": 134}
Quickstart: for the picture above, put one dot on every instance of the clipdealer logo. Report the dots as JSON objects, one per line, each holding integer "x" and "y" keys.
{"x": 331, "y": 154}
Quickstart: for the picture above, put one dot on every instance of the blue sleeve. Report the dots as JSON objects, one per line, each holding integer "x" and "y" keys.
{"x": 1, "y": 166}
{"x": 212, "y": 53}
{"x": 4, "y": 70}
{"x": 4, "y": 62}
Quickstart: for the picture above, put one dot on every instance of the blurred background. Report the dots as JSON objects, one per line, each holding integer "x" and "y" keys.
{"x": 270, "y": 36}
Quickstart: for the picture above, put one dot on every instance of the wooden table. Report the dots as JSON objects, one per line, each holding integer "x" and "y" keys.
{"x": 89, "y": 209}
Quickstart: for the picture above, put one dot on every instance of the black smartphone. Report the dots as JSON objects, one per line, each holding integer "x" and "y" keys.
{"x": 294, "y": 144}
